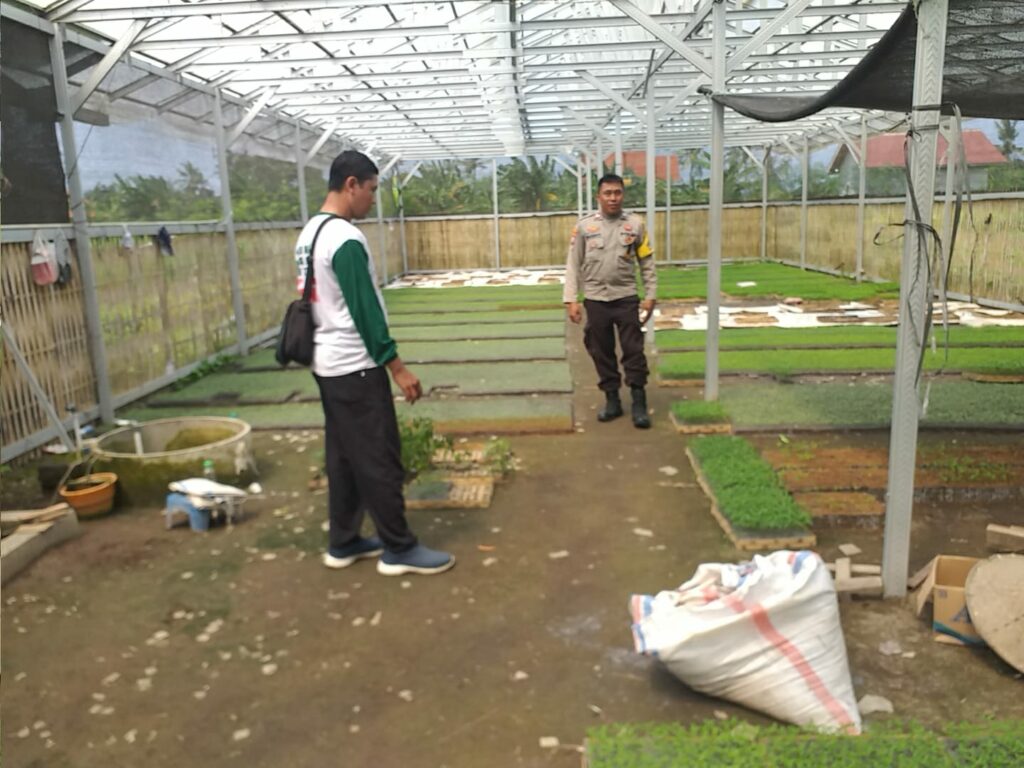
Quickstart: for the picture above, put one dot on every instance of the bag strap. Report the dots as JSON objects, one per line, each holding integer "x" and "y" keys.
{"x": 307, "y": 289}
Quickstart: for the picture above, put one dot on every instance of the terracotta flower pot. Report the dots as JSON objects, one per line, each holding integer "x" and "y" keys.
{"x": 92, "y": 495}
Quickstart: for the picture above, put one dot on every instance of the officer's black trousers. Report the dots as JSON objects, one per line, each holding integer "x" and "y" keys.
{"x": 364, "y": 459}
{"x": 603, "y": 317}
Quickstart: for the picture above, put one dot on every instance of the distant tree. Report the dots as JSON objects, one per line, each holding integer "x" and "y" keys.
{"x": 529, "y": 185}
{"x": 263, "y": 189}
{"x": 1006, "y": 131}
{"x": 448, "y": 186}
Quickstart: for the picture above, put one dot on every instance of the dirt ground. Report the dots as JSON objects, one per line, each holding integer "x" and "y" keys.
{"x": 135, "y": 646}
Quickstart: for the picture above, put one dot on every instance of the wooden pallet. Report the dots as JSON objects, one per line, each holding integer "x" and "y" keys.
{"x": 466, "y": 492}
{"x": 699, "y": 429}
{"x": 747, "y": 543}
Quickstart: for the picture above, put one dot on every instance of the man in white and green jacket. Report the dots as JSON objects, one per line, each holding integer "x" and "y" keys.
{"x": 352, "y": 349}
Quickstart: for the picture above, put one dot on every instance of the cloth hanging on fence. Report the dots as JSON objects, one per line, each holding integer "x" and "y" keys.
{"x": 163, "y": 242}
{"x": 62, "y": 249}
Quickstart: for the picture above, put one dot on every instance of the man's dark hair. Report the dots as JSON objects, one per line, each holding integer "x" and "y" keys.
{"x": 350, "y": 163}
{"x": 608, "y": 178}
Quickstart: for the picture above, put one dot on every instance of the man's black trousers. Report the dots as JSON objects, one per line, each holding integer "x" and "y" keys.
{"x": 364, "y": 459}
{"x": 603, "y": 317}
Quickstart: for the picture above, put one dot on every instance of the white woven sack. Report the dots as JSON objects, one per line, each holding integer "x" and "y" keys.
{"x": 764, "y": 634}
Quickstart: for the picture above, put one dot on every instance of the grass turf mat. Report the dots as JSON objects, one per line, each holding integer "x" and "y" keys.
{"x": 478, "y": 378}
{"x": 771, "y": 279}
{"x": 460, "y": 331}
{"x": 748, "y": 491}
{"x": 483, "y": 415}
{"x": 261, "y": 385}
{"x": 831, "y": 335}
{"x": 446, "y": 304}
{"x": 868, "y": 403}
{"x": 487, "y": 378}
{"x": 299, "y": 415}
{"x": 732, "y": 744}
{"x": 467, "y": 351}
{"x": 474, "y": 293}
{"x": 690, "y": 365}
{"x": 699, "y": 412}
{"x": 441, "y": 317}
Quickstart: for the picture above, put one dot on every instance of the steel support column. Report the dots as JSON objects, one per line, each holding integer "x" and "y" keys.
{"x": 861, "y": 193}
{"x": 651, "y": 169}
{"x": 83, "y": 249}
{"x": 715, "y": 202}
{"x": 805, "y": 172}
{"x": 764, "y": 201}
{"x": 300, "y": 164}
{"x": 914, "y": 298}
{"x": 497, "y": 223}
{"x": 227, "y": 215}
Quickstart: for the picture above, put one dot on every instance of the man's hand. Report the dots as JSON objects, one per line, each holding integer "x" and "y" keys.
{"x": 647, "y": 307}
{"x": 575, "y": 311}
{"x": 411, "y": 388}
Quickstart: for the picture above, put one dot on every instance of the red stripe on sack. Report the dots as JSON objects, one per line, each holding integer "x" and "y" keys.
{"x": 796, "y": 658}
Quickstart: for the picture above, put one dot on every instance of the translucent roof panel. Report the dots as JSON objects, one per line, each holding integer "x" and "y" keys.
{"x": 423, "y": 80}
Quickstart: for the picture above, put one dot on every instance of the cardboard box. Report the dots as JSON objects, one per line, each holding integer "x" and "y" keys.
{"x": 950, "y": 616}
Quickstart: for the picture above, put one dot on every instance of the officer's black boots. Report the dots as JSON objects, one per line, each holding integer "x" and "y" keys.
{"x": 612, "y": 406}
{"x": 640, "y": 418}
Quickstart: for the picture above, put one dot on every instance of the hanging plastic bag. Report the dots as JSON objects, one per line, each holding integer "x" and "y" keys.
{"x": 127, "y": 241}
{"x": 44, "y": 261}
{"x": 764, "y": 634}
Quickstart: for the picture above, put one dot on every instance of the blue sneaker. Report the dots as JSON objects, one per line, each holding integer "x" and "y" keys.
{"x": 419, "y": 559}
{"x": 360, "y": 549}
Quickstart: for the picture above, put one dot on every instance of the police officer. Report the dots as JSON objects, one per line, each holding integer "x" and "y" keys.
{"x": 604, "y": 252}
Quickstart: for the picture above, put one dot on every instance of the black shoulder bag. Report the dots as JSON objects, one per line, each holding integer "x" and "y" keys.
{"x": 295, "y": 342}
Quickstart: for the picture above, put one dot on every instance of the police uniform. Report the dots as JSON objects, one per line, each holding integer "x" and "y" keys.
{"x": 603, "y": 257}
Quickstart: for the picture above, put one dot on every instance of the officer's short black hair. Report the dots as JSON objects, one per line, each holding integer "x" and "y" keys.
{"x": 350, "y": 163}
{"x": 610, "y": 178}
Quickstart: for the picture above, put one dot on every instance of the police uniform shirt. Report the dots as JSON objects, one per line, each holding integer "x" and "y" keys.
{"x": 603, "y": 255}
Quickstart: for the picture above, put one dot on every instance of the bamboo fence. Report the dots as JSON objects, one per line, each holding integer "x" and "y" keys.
{"x": 161, "y": 313}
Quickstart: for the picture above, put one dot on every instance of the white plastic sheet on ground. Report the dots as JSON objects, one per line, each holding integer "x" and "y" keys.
{"x": 764, "y": 634}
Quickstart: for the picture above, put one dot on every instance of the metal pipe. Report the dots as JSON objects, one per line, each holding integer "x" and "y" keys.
{"x": 715, "y": 204}
{"x": 805, "y": 171}
{"x": 914, "y": 298}
{"x": 83, "y": 249}
{"x": 861, "y": 192}
{"x": 497, "y": 228}
{"x": 229, "y": 224}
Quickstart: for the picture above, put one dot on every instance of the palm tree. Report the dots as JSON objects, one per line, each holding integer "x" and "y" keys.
{"x": 527, "y": 186}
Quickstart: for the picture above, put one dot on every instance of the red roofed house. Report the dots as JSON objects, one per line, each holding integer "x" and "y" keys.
{"x": 635, "y": 161}
{"x": 886, "y": 161}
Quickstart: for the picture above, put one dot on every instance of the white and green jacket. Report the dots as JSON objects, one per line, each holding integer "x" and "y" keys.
{"x": 351, "y": 323}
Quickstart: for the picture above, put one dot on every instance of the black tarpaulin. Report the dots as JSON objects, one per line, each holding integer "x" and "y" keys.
{"x": 983, "y": 69}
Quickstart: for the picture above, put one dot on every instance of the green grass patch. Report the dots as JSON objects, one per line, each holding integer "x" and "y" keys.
{"x": 830, "y": 335}
{"x": 868, "y": 403}
{"x": 469, "y": 319}
{"x": 499, "y": 349}
{"x": 483, "y": 414}
{"x": 472, "y": 294}
{"x": 785, "y": 362}
{"x": 772, "y": 280}
{"x": 270, "y": 385}
{"x": 749, "y": 492}
{"x": 441, "y": 304}
{"x": 450, "y": 332}
{"x": 700, "y": 412}
{"x": 495, "y": 378}
{"x": 732, "y": 744}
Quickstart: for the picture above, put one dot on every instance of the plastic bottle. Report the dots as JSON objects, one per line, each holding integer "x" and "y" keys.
{"x": 208, "y": 470}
